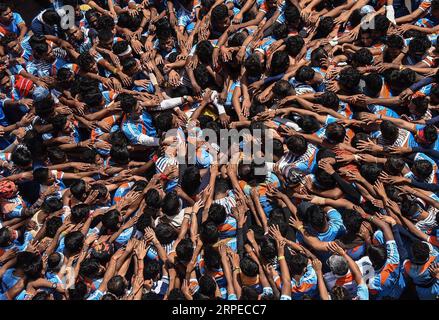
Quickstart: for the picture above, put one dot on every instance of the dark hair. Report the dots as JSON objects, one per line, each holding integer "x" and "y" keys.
{"x": 78, "y": 188}
{"x": 207, "y": 286}
{"x": 152, "y": 270}
{"x": 80, "y": 212}
{"x": 305, "y": 74}
{"x": 209, "y": 232}
{"x": 74, "y": 241}
{"x": 349, "y": 78}
{"x": 377, "y": 255}
{"x": 297, "y": 145}
{"x": 335, "y": 132}
{"x": 191, "y": 180}
{"x": 165, "y": 233}
{"x": 217, "y": 213}
{"x": 297, "y": 263}
{"x": 294, "y": 45}
{"x": 422, "y": 168}
{"x": 389, "y": 131}
{"x": 21, "y": 157}
{"x": 164, "y": 121}
{"x": 171, "y": 204}
{"x": 116, "y": 285}
{"x": 394, "y": 165}
{"x": 152, "y": 199}
{"x": 105, "y": 22}
{"x": 362, "y": 57}
{"x": 41, "y": 175}
{"x": 120, "y": 154}
{"x": 371, "y": 171}
{"x": 110, "y": 220}
{"x": 329, "y": 99}
{"x": 204, "y": 51}
{"x": 374, "y": 83}
{"x": 249, "y": 267}
{"x": 127, "y": 102}
{"x": 219, "y": 13}
{"x": 280, "y": 62}
{"x": 420, "y": 251}
{"x": 52, "y": 226}
{"x": 184, "y": 250}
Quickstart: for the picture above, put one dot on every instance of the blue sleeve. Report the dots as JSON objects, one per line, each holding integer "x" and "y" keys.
{"x": 432, "y": 120}
{"x": 429, "y": 152}
{"x": 273, "y": 78}
{"x": 418, "y": 85}
{"x": 400, "y": 244}
{"x": 426, "y": 186}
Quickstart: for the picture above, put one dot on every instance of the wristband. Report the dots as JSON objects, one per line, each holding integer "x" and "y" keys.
{"x": 280, "y": 258}
{"x": 371, "y": 218}
{"x": 164, "y": 176}
{"x": 301, "y": 228}
{"x": 237, "y": 268}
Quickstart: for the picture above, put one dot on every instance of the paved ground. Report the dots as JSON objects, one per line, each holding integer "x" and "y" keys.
{"x": 27, "y": 8}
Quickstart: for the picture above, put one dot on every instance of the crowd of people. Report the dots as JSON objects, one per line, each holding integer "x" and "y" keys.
{"x": 96, "y": 202}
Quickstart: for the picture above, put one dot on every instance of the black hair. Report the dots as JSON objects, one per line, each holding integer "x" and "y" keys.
{"x": 105, "y": 22}
{"x": 184, "y": 250}
{"x": 78, "y": 189}
{"x": 420, "y": 251}
{"x": 51, "y": 17}
{"x": 90, "y": 268}
{"x": 377, "y": 255}
{"x": 209, "y": 232}
{"x": 282, "y": 89}
{"x": 120, "y": 154}
{"x": 371, "y": 171}
{"x": 52, "y": 226}
{"x": 80, "y": 212}
{"x": 217, "y": 213}
{"x": 219, "y": 13}
{"x": 204, "y": 51}
{"x": 297, "y": 145}
{"x": 21, "y": 157}
{"x": 74, "y": 241}
{"x": 394, "y": 165}
{"x": 110, "y": 220}
{"x": 207, "y": 286}
{"x": 117, "y": 286}
{"x": 41, "y": 175}
{"x": 349, "y": 78}
{"x": 164, "y": 121}
{"x": 152, "y": 199}
{"x": 297, "y": 263}
{"x": 362, "y": 57}
{"x": 305, "y": 74}
{"x": 253, "y": 65}
{"x": 152, "y": 270}
{"x": 329, "y": 99}
{"x": 374, "y": 83}
{"x": 335, "y": 132}
{"x": 294, "y": 45}
{"x": 280, "y": 62}
{"x": 171, "y": 204}
{"x": 191, "y": 180}
{"x": 395, "y": 41}
{"x": 422, "y": 168}
{"x": 78, "y": 291}
{"x": 249, "y": 267}
{"x": 389, "y": 131}
{"x": 165, "y": 233}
